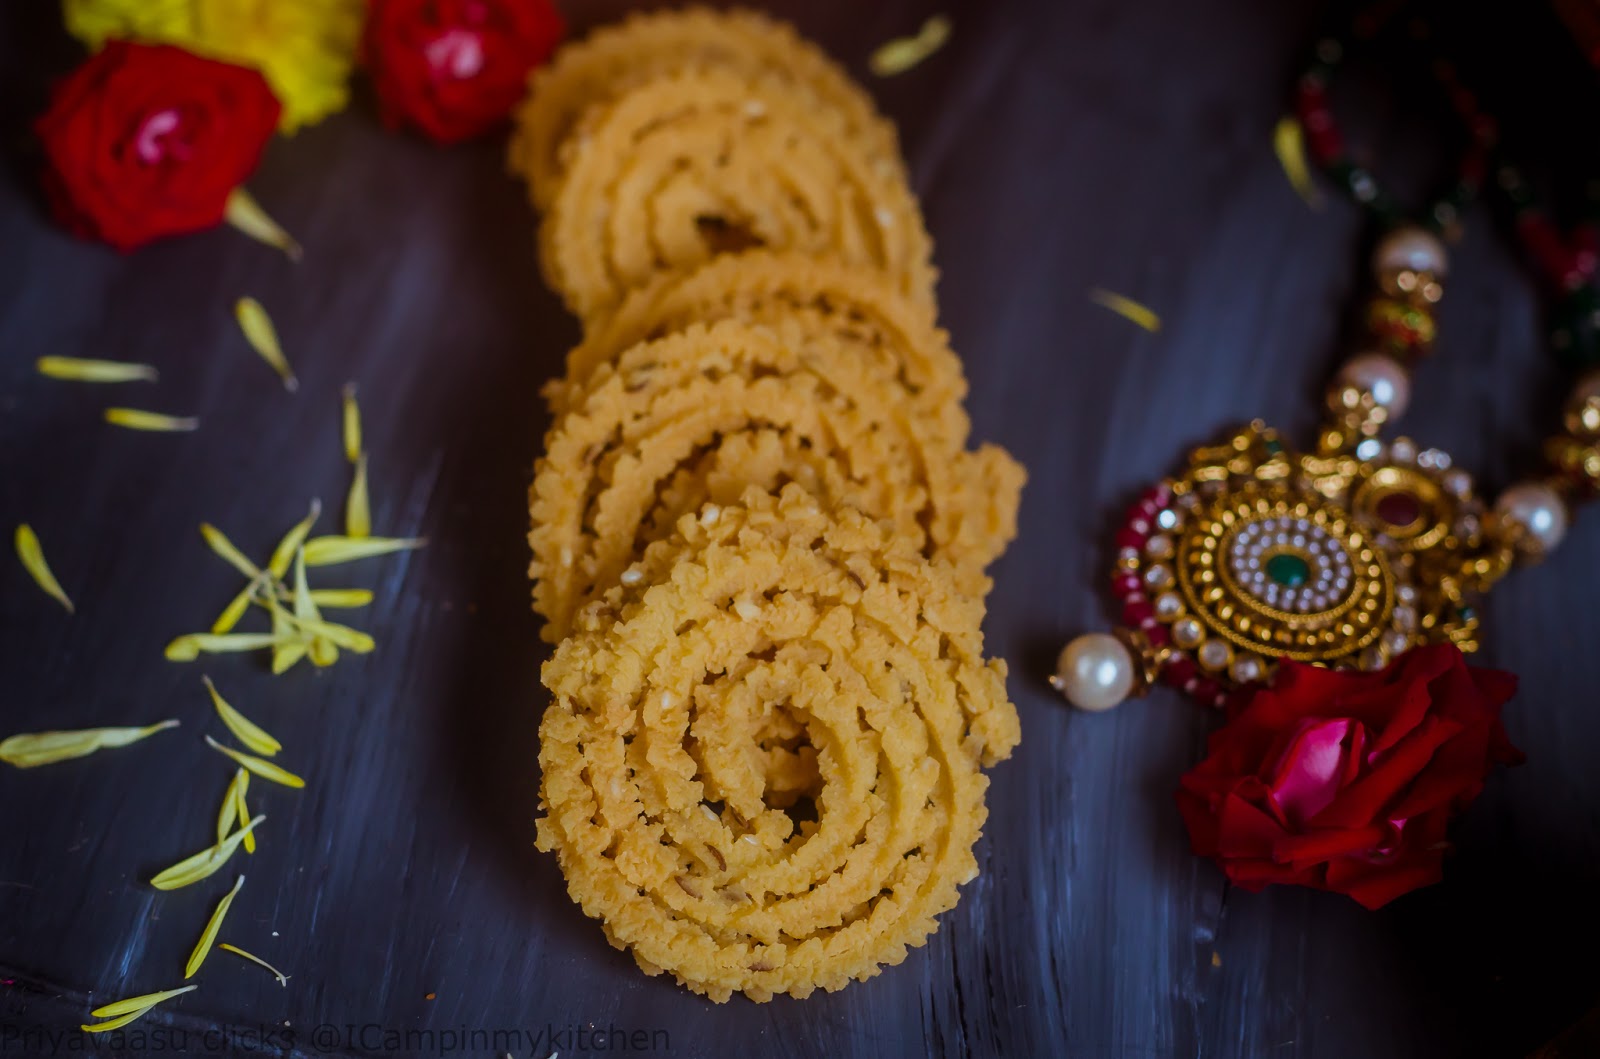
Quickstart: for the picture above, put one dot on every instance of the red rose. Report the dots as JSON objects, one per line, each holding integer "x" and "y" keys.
{"x": 1346, "y": 781}
{"x": 147, "y": 140}
{"x": 455, "y": 68}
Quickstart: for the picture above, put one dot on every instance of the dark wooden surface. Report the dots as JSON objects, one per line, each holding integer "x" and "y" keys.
{"x": 1056, "y": 146}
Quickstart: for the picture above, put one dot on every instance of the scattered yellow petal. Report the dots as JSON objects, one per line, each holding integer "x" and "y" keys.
{"x": 283, "y": 979}
{"x": 46, "y": 748}
{"x": 245, "y": 214}
{"x": 136, "y": 1003}
{"x": 118, "y": 1022}
{"x": 1216, "y": 959}
{"x": 1126, "y": 308}
{"x": 291, "y": 646}
{"x": 220, "y": 544}
{"x": 204, "y": 864}
{"x": 352, "y": 424}
{"x": 188, "y": 648}
{"x": 244, "y": 812}
{"x": 357, "y": 510}
{"x": 263, "y": 338}
{"x": 136, "y": 419}
{"x": 283, "y": 554}
{"x": 341, "y": 635}
{"x": 330, "y": 551}
{"x": 32, "y": 556}
{"x": 78, "y": 369}
{"x": 232, "y": 804}
{"x": 341, "y": 598}
{"x": 260, "y": 766}
{"x": 1289, "y": 143}
{"x": 901, "y": 54}
{"x": 243, "y": 728}
{"x": 234, "y": 610}
{"x": 208, "y": 937}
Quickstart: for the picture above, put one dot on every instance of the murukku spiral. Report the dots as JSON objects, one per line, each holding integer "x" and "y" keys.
{"x": 656, "y": 787}
{"x": 702, "y": 414}
{"x": 696, "y": 162}
{"x": 643, "y": 46}
{"x": 759, "y": 537}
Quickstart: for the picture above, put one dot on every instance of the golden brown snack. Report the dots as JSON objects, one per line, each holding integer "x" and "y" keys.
{"x": 854, "y": 304}
{"x": 706, "y": 412}
{"x": 656, "y": 786}
{"x": 646, "y": 45}
{"x": 695, "y": 163}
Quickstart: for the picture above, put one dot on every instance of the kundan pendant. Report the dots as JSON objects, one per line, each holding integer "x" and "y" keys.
{"x": 1345, "y": 556}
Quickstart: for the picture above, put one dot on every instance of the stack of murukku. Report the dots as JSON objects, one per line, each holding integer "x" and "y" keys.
{"x": 759, "y": 536}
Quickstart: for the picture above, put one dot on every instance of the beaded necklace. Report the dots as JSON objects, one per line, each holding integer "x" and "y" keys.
{"x": 1354, "y": 552}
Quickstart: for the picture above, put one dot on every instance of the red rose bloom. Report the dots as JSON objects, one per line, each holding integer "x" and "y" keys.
{"x": 1346, "y": 781}
{"x": 455, "y": 68}
{"x": 147, "y": 140}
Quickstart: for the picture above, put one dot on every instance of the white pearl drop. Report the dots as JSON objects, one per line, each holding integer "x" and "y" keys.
{"x": 1381, "y": 376}
{"x": 1410, "y": 249}
{"x": 1095, "y": 672}
{"x": 1537, "y": 509}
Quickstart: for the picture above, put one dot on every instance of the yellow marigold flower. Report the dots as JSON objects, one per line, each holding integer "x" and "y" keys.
{"x": 305, "y": 48}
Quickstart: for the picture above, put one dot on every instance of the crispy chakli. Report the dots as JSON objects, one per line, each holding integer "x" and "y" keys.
{"x": 701, "y": 847}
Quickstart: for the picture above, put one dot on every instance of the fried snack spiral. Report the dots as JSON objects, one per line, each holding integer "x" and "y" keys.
{"x": 644, "y": 46}
{"x": 854, "y": 304}
{"x": 702, "y": 414}
{"x": 656, "y": 785}
{"x": 697, "y": 162}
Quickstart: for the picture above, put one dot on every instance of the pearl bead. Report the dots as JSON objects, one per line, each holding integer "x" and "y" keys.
{"x": 1187, "y": 633}
{"x": 1539, "y": 512}
{"x": 1094, "y": 672}
{"x": 1410, "y": 250}
{"x": 1381, "y": 376}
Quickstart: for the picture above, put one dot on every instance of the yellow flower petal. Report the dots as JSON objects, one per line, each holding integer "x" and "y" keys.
{"x": 1289, "y": 143}
{"x": 330, "y": 551}
{"x": 188, "y": 648}
{"x": 341, "y": 598}
{"x": 245, "y": 730}
{"x": 139, "y": 1003}
{"x": 283, "y": 979}
{"x": 78, "y": 369}
{"x": 32, "y": 556}
{"x": 283, "y": 554}
{"x": 220, "y": 544}
{"x": 260, "y": 766}
{"x": 352, "y": 424}
{"x": 137, "y": 419}
{"x": 208, "y": 937}
{"x": 291, "y": 645}
{"x": 245, "y": 214}
{"x": 901, "y": 54}
{"x": 118, "y": 1022}
{"x": 234, "y": 610}
{"x": 46, "y": 748}
{"x": 233, "y": 804}
{"x": 244, "y": 812}
{"x": 263, "y": 338}
{"x": 340, "y": 635}
{"x": 357, "y": 510}
{"x": 1126, "y": 308}
{"x": 204, "y": 864}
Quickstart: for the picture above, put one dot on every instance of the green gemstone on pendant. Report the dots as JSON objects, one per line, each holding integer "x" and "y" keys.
{"x": 1288, "y": 570}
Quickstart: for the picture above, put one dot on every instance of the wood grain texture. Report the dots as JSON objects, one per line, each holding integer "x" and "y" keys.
{"x": 1056, "y": 147}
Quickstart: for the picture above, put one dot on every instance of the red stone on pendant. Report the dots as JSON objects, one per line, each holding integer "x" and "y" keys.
{"x": 1127, "y": 584}
{"x": 1137, "y": 613}
{"x": 1399, "y": 509}
{"x": 1178, "y": 671}
{"x": 1128, "y": 537}
{"x": 1205, "y": 691}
